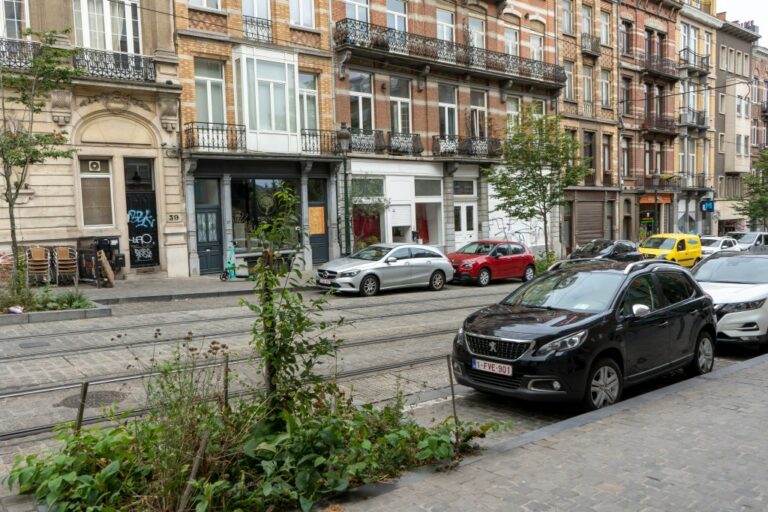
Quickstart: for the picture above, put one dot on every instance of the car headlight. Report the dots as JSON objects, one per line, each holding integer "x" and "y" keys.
{"x": 467, "y": 265}
{"x": 563, "y": 344}
{"x": 742, "y": 306}
{"x": 459, "y": 340}
{"x": 349, "y": 273}
{"x": 662, "y": 256}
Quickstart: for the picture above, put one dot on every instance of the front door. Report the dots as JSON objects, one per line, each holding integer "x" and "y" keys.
{"x": 464, "y": 223}
{"x": 143, "y": 245}
{"x": 208, "y": 222}
{"x": 318, "y": 219}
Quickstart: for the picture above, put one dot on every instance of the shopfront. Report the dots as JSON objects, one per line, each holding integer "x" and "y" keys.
{"x": 654, "y": 214}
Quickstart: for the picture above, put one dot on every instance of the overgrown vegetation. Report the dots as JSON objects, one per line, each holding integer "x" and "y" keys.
{"x": 754, "y": 205}
{"x": 44, "y": 300}
{"x": 544, "y": 261}
{"x": 288, "y": 443}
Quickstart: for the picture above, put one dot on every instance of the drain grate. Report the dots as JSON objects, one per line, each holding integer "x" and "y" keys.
{"x": 94, "y": 399}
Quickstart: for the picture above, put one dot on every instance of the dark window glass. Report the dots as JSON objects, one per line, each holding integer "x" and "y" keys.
{"x": 423, "y": 253}
{"x": 681, "y": 245}
{"x": 426, "y": 188}
{"x": 403, "y": 253}
{"x": 640, "y": 291}
{"x": 464, "y": 187}
{"x": 675, "y": 287}
{"x": 516, "y": 249}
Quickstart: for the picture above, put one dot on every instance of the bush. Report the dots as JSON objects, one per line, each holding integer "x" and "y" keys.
{"x": 545, "y": 261}
{"x": 45, "y": 300}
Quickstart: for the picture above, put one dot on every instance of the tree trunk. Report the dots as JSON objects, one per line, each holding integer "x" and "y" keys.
{"x": 16, "y": 280}
{"x": 546, "y": 236}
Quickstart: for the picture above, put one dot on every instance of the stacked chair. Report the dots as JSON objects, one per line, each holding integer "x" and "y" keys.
{"x": 38, "y": 265}
{"x": 65, "y": 262}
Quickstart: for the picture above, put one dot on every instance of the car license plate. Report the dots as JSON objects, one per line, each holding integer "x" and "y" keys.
{"x": 487, "y": 366}
{"x": 324, "y": 281}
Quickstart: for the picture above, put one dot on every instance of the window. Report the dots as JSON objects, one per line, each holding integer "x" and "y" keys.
{"x": 659, "y": 100}
{"x": 513, "y": 111}
{"x": 478, "y": 114}
{"x": 605, "y": 88}
{"x": 463, "y": 187}
{"x": 754, "y": 132}
{"x": 626, "y": 143}
{"x": 586, "y": 20}
{"x": 302, "y": 13}
{"x": 738, "y": 145}
{"x": 739, "y": 63}
{"x": 400, "y": 104}
{"x": 537, "y": 108}
{"x": 447, "y": 108}
{"x": 568, "y": 66}
{"x": 357, "y": 10}
{"x": 738, "y": 106}
{"x": 308, "y": 101}
{"x": 765, "y": 90}
{"x": 14, "y": 12}
{"x": 641, "y": 291}
{"x": 708, "y": 46}
{"x": 537, "y": 47}
{"x": 625, "y": 105}
{"x": 586, "y": 86}
{"x": 210, "y": 4}
{"x": 625, "y": 38}
{"x": 723, "y": 57}
{"x": 658, "y": 152}
{"x": 755, "y": 88}
{"x": 684, "y": 28}
{"x": 476, "y": 32}
{"x": 731, "y": 59}
{"x": 568, "y": 16}
{"x": 675, "y": 287}
{"x": 605, "y": 28}
{"x": 209, "y": 91}
{"x": 512, "y": 41}
{"x": 721, "y": 108}
{"x": 96, "y": 193}
{"x": 606, "y": 156}
{"x": 111, "y": 25}
{"x": 368, "y": 187}
{"x": 428, "y": 188}
{"x": 746, "y": 145}
{"x": 271, "y": 95}
{"x": 361, "y": 100}
{"x": 647, "y": 98}
{"x": 746, "y": 64}
{"x": 445, "y": 25}
{"x": 397, "y": 15}
{"x": 649, "y": 42}
{"x": 589, "y": 149}
{"x": 647, "y": 157}
{"x": 691, "y": 155}
{"x": 721, "y": 143}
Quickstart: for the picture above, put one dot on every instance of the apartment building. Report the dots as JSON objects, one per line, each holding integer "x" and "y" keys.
{"x": 427, "y": 90}
{"x": 733, "y": 120}
{"x": 589, "y": 108}
{"x": 121, "y": 115}
{"x": 697, "y": 32}
{"x": 257, "y": 113}
{"x": 759, "y": 99}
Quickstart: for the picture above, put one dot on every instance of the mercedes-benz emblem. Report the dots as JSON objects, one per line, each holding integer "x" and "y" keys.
{"x": 492, "y": 346}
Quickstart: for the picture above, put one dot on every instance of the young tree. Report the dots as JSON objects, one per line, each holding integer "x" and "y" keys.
{"x": 540, "y": 161}
{"x": 754, "y": 204}
{"x": 24, "y": 91}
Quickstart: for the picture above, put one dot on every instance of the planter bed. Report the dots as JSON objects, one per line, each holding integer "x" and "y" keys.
{"x": 99, "y": 310}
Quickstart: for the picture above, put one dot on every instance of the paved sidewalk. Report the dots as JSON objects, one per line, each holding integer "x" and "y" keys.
{"x": 696, "y": 445}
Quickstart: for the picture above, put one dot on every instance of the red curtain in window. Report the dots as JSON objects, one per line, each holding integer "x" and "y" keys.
{"x": 422, "y": 225}
{"x": 366, "y": 226}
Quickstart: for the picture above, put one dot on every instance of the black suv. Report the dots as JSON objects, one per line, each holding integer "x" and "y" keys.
{"x": 619, "y": 250}
{"x": 585, "y": 330}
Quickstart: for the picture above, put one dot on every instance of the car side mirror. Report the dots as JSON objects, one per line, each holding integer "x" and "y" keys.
{"x": 640, "y": 310}
{"x": 391, "y": 259}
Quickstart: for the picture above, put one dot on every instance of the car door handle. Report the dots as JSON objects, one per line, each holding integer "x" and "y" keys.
{"x": 663, "y": 324}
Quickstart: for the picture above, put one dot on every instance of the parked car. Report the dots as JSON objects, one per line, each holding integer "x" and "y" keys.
{"x": 486, "y": 260}
{"x": 619, "y": 250}
{"x": 738, "y": 284}
{"x": 678, "y": 247}
{"x": 713, "y": 244}
{"x": 384, "y": 267}
{"x": 748, "y": 240}
{"x": 585, "y": 330}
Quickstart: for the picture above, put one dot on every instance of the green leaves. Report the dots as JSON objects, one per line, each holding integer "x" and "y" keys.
{"x": 754, "y": 203}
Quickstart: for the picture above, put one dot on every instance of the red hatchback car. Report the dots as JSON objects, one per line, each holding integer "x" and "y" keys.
{"x": 485, "y": 260}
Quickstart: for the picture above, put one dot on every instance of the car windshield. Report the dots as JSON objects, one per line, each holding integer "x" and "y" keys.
{"x": 710, "y": 242}
{"x": 596, "y": 247}
{"x": 371, "y": 253}
{"x": 476, "y": 248}
{"x": 590, "y": 292}
{"x": 743, "y": 238}
{"x": 658, "y": 242}
{"x": 735, "y": 269}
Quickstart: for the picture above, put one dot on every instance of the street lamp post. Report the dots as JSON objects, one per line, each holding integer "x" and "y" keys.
{"x": 343, "y": 137}
{"x": 657, "y": 220}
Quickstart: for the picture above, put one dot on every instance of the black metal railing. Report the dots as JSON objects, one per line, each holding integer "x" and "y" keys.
{"x": 608, "y": 179}
{"x": 115, "y": 65}
{"x": 590, "y": 44}
{"x": 257, "y": 29}
{"x": 590, "y": 180}
{"x": 694, "y": 61}
{"x": 319, "y": 142}
{"x": 664, "y": 183}
{"x": 659, "y": 124}
{"x": 693, "y": 181}
{"x": 359, "y": 34}
{"x": 214, "y": 136}
{"x": 17, "y": 54}
{"x": 454, "y": 145}
{"x": 694, "y": 118}
{"x": 445, "y": 145}
{"x": 404, "y": 143}
{"x": 366, "y": 141}
{"x": 657, "y": 65}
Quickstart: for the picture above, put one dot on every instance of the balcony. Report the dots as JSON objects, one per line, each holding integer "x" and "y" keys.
{"x": 257, "y": 29}
{"x": 17, "y": 54}
{"x": 405, "y": 48}
{"x": 404, "y": 143}
{"x": 590, "y": 45}
{"x": 473, "y": 147}
{"x": 695, "y": 64}
{"x": 115, "y": 65}
{"x": 696, "y": 119}
{"x": 666, "y": 183}
{"x": 764, "y": 110}
{"x": 659, "y": 125}
{"x": 319, "y": 142}
{"x": 366, "y": 141}
{"x": 590, "y": 180}
{"x": 696, "y": 181}
{"x": 658, "y": 66}
{"x": 214, "y": 136}
{"x": 587, "y": 109}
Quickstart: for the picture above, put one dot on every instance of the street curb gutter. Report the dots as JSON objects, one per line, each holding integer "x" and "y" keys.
{"x": 378, "y": 489}
{"x": 189, "y": 295}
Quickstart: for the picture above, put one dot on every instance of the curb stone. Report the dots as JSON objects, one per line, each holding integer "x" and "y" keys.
{"x": 100, "y": 310}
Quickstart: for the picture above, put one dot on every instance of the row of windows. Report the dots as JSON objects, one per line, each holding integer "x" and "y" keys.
{"x": 587, "y": 22}
{"x": 587, "y": 72}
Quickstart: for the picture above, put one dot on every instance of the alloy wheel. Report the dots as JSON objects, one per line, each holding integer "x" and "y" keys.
{"x": 484, "y": 277}
{"x": 604, "y": 388}
{"x": 706, "y": 357}
{"x": 437, "y": 281}
{"x": 529, "y": 274}
{"x": 369, "y": 286}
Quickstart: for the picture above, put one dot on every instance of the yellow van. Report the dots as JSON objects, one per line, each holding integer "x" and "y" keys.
{"x": 679, "y": 247}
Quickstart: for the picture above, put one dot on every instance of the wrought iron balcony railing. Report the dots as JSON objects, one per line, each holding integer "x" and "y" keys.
{"x": 590, "y": 44}
{"x": 694, "y": 118}
{"x": 257, "y": 29}
{"x": 17, "y": 54}
{"x": 319, "y": 142}
{"x": 590, "y": 180}
{"x": 608, "y": 180}
{"x": 658, "y": 66}
{"x": 659, "y": 124}
{"x": 115, "y": 65}
{"x": 377, "y": 39}
{"x": 664, "y": 183}
{"x": 694, "y": 62}
{"x": 214, "y": 136}
{"x": 453, "y": 145}
{"x": 404, "y": 143}
{"x": 695, "y": 181}
{"x": 366, "y": 141}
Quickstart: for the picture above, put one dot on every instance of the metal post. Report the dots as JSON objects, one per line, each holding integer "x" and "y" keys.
{"x": 657, "y": 220}
{"x": 347, "y": 227}
{"x": 453, "y": 400}
{"x": 81, "y": 406}
{"x": 225, "y": 395}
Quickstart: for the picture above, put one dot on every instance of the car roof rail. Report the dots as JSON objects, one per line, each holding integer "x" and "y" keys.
{"x": 575, "y": 261}
{"x": 638, "y": 265}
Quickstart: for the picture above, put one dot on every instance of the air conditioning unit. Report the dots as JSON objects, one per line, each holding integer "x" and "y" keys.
{"x": 94, "y": 165}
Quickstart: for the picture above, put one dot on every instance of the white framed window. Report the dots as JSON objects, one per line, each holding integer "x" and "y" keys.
{"x": 625, "y": 101}
{"x": 209, "y": 4}
{"x": 478, "y": 114}
{"x": 738, "y": 106}
{"x": 723, "y": 57}
{"x": 260, "y": 9}
{"x": 721, "y": 107}
{"x": 357, "y": 10}
{"x": 755, "y": 88}
{"x": 537, "y": 47}
{"x": 302, "y": 13}
{"x": 476, "y": 32}
{"x": 397, "y": 15}
{"x": 271, "y": 88}
{"x": 739, "y": 64}
{"x": 446, "y": 25}
{"x": 96, "y": 193}
{"x": 111, "y": 25}
{"x": 731, "y": 59}
{"x": 625, "y": 38}
{"x": 15, "y": 16}
{"x": 765, "y": 135}
{"x": 209, "y": 91}
{"x": 765, "y": 90}
{"x": 586, "y": 86}
{"x": 361, "y": 100}
{"x": 625, "y": 161}
{"x": 605, "y": 88}
{"x": 308, "y": 116}
{"x": 691, "y": 156}
{"x": 605, "y": 28}
{"x": 659, "y": 100}
{"x": 512, "y": 41}
{"x": 754, "y": 133}
{"x": 447, "y": 109}
{"x": 746, "y": 145}
{"x": 513, "y": 111}
{"x": 708, "y": 45}
{"x": 538, "y": 108}
{"x": 400, "y": 104}
{"x": 721, "y": 143}
{"x": 568, "y": 67}
{"x": 606, "y": 154}
{"x": 746, "y": 64}
{"x": 586, "y": 20}
{"x": 738, "y": 145}
{"x": 658, "y": 153}
{"x": 568, "y": 16}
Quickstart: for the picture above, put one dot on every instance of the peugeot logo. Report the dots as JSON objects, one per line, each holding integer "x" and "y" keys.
{"x": 492, "y": 346}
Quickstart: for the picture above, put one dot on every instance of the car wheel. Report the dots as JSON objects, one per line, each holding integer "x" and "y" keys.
{"x": 704, "y": 356}
{"x": 437, "y": 281}
{"x": 530, "y": 273}
{"x": 224, "y": 276}
{"x": 604, "y": 384}
{"x": 369, "y": 286}
{"x": 484, "y": 277}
